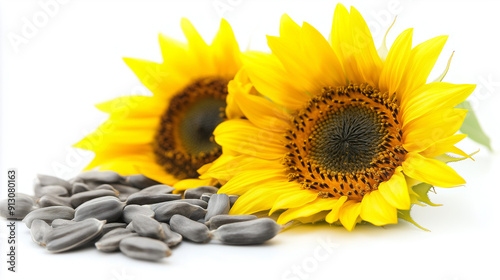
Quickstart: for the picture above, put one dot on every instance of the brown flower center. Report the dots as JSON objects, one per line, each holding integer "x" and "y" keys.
{"x": 345, "y": 142}
{"x": 184, "y": 140}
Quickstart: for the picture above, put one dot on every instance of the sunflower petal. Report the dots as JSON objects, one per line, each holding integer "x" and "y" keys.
{"x": 311, "y": 208}
{"x": 376, "y": 210}
{"x": 394, "y": 66}
{"x": 431, "y": 171}
{"x": 349, "y": 214}
{"x": 395, "y": 190}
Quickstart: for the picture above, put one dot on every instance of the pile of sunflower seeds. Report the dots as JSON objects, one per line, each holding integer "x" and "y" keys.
{"x": 131, "y": 214}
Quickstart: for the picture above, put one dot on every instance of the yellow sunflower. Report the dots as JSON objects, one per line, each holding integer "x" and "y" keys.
{"x": 168, "y": 136}
{"x": 335, "y": 130}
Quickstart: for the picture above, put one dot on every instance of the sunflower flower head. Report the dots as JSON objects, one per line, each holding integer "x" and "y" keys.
{"x": 168, "y": 136}
{"x": 335, "y": 131}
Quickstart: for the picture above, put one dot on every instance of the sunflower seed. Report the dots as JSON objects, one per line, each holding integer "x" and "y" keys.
{"x": 189, "y": 229}
{"x": 153, "y": 194}
{"x": 53, "y": 200}
{"x": 61, "y": 222}
{"x": 217, "y": 205}
{"x": 232, "y": 199}
{"x": 112, "y": 226}
{"x": 48, "y": 214}
{"x": 18, "y": 207}
{"x": 79, "y": 187}
{"x": 130, "y": 227}
{"x": 110, "y": 241}
{"x": 144, "y": 248}
{"x": 71, "y": 236}
{"x": 79, "y": 198}
{"x": 199, "y": 191}
{"x": 55, "y": 190}
{"x": 197, "y": 202}
{"x": 219, "y": 220}
{"x": 100, "y": 176}
{"x": 39, "y": 230}
{"x": 124, "y": 190}
{"x": 165, "y": 212}
{"x": 206, "y": 196}
{"x": 148, "y": 227}
{"x": 171, "y": 238}
{"x": 108, "y": 187}
{"x": 130, "y": 211}
{"x": 47, "y": 180}
{"x": 139, "y": 181}
{"x": 107, "y": 208}
{"x": 246, "y": 233}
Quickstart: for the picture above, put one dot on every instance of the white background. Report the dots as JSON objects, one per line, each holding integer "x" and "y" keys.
{"x": 73, "y": 59}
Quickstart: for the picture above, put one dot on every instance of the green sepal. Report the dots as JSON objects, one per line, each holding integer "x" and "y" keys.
{"x": 405, "y": 215}
{"x": 472, "y": 128}
{"x": 422, "y": 190}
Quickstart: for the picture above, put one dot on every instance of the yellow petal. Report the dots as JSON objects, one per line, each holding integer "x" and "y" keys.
{"x": 259, "y": 199}
{"x": 333, "y": 216}
{"x": 376, "y": 210}
{"x": 431, "y": 97}
{"x": 394, "y": 66}
{"x": 445, "y": 146}
{"x": 294, "y": 198}
{"x": 343, "y": 44}
{"x": 431, "y": 171}
{"x": 226, "y": 51}
{"x": 316, "y": 206}
{"x": 395, "y": 190}
{"x": 271, "y": 80}
{"x": 349, "y": 214}
{"x": 247, "y": 180}
{"x": 368, "y": 60}
{"x": 242, "y": 136}
{"x": 422, "y": 60}
{"x": 428, "y": 129}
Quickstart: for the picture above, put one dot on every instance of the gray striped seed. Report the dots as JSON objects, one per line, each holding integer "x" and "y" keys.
{"x": 144, "y": 248}
{"x": 110, "y": 241}
{"x": 79, "y": 198}
{"x": 112, "y": 226}
{"x": 197, "y": 202}
{"x": 247, "y": 233}
{"x": 47, "y": 180}
{"x": 61, "y": 222}
{"x": 71, "y": 236}
{"x": 148, "y": 227}
{"x": 153, "y": 194}
{"x": 130, "y": 211}
{"x": 196, "y": 193}
{"x": 48, "y": 214}
{"x": 100, "y": 176}
{"x": 219, "y": 220}
{"x": 55, "y": 190}
{"x": 217, "y": 205}
{"x": 171, "y": 238}
{"x": 39, "y": 230}
{"x": 108, "y": 208}
{"x": 139, "y": 181}
{"x": 165, "y": 212}
{"x": 79, "y": 187}
{"x": 21, "y": 205}
{"x": 53, "y": 200}
{"x": 189, "y": 229}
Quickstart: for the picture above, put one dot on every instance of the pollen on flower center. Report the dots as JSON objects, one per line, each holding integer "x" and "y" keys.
{"x": 345, "y": 142}
{"x": 184, "y": 140}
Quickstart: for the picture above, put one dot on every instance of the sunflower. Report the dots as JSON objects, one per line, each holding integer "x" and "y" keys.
{"x": 168, "y": 136}
{"x": 337, "y": 131}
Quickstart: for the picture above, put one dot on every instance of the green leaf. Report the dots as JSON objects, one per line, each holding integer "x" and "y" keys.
{"x": 472, "y": 128}
{"x": 422, "y": 190}
{"x": 405, "y": 215}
